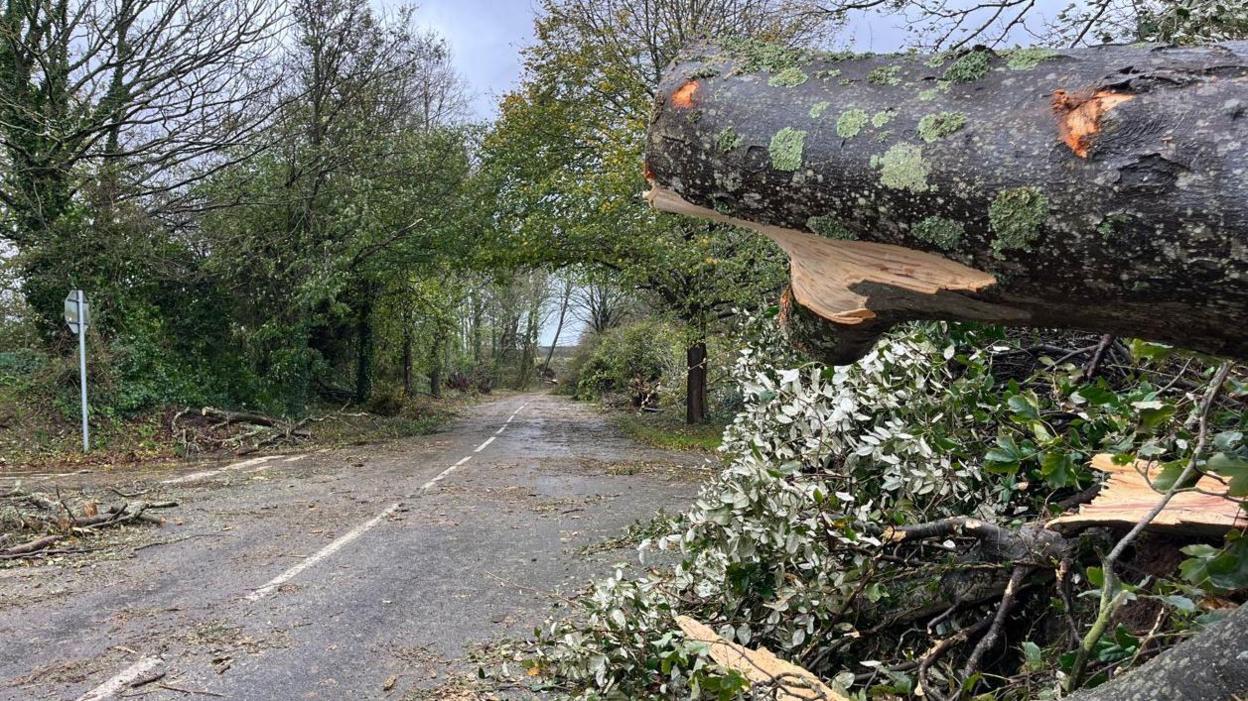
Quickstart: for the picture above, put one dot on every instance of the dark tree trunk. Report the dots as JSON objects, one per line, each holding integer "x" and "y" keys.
{"x": 435, "y": 366}
{"x": 1103, "y": 189}
{"x": 364, "y": 347}
{"x": 563, "y": 312}
{"x": 435, "y": 382}
{"x": 1211, "y": 665}
{"x": 407, "y": 357}
{"x": 695, "y": 383}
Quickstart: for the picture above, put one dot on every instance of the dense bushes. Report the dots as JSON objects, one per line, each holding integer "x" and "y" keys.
{"x": 632, "y": 363}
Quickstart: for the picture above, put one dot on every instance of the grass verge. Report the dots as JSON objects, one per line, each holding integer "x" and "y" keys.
{"x": 668, "y": 431}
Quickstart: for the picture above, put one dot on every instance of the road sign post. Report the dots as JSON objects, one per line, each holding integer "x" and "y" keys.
{"x": 76, "y": 317}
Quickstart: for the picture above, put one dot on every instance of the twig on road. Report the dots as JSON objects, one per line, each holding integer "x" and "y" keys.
{"x": 521, "y": 587}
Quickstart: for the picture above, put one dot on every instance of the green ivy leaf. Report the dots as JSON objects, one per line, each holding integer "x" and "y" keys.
{"x": 1096, "y": 576}
{"x": 1096, "y": 396}
{"x": 1145, "y": 350}
{"x": 1059, "y": 469}
{"x": 1232, "y": 467}
{"x": 1153, "y": 413}
{"x": 1025, "y": 406}
{"x": 1170, "y": 472}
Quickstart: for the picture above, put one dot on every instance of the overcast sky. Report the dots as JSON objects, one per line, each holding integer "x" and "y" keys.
{"x": 486, "y": 37}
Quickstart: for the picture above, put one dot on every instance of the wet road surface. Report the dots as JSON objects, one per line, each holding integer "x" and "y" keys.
{"x": 323, "y": 575}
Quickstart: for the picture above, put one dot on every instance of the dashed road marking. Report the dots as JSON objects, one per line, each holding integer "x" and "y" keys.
{"x": 321, "y": 554}
{"x": 111, "y": 687}
{"x": 444, "y": 473}
{"x": 358, "y": 530}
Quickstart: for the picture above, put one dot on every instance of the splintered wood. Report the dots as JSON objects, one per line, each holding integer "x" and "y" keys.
{"x": 827, "y": 273}
{"x": 1126, "y": 497}
{"x": 761, "y": 666}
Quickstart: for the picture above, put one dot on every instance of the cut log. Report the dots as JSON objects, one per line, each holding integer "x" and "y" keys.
{"x": 1103, "y": 189}
{"x": 1126, "y": 497}
{"x": 792, "y": 683}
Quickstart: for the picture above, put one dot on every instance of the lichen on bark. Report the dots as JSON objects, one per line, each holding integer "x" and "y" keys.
{"x": 754, "y": 55}
{"x": 943, "y": 233}
{"x": 831, "y": 227}
{"x": 786, "y": 149}
{"x": 885, "y": 75}
{"x": 728, "y": 140}
{"x": 969, "y": 68}
{"x": 817, "y": 109}
{"x": 902, "y": 167}
{"x": 938, "y": 125}
{"x": 1016, "y": 216}
{"x": 790, "y": 77}
{"x": 851, "y": 123}
{"x": 881, "y": 118}
{"x": 1030, "y": 57}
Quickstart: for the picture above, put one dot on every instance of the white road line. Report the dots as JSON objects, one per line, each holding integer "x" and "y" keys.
{"x": 501, "y": 429}
{"x": 444, "y": 473}
{"x": 209, "y": 473}
{"x": 353, "y": 533}
{"x": 321, "y": 554}
{"x": 110, "y": 688}
{"x": 191, "y": 477}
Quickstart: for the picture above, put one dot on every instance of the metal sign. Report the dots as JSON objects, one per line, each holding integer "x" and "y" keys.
{"x": 77, "y": 316}
{"x": 76, "y": 311}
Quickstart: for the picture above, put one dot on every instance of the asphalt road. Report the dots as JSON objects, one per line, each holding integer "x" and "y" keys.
{"x": 325, "y": 575}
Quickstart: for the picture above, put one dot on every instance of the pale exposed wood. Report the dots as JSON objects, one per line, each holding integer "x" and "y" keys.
{"x": 761, "y": 666}
{"x": 829, "y": 275}
{"x": 1126, "y": 496}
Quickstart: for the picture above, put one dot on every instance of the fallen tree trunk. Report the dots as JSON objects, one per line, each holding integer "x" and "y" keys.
{"x": 1210, "y": 666}
{"x": 1103, "y": 189}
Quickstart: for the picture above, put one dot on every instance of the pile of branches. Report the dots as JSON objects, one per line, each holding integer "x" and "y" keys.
{"x": 211, "y": 430}
{"x": 34, "y": 524}
{"x": 959, "y": 515}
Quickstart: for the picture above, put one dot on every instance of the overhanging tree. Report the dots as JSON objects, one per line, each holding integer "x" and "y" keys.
{"x": 108, "y": 108}
{"x": 1083, "y": 196}
{"x": 565, "y": 151}
{"x": 1036, "y": 187}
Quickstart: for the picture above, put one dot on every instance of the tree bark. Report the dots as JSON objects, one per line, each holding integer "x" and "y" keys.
{"x": 435, "y": 365}
{"x": 563, "y": 312}
{"x": 1103, "y": 189}
{"x": 695, "y": 383}
{"x": 364, "y": 346}
{"x": 1211, "y": 665}
{"x": 407, "y": 356}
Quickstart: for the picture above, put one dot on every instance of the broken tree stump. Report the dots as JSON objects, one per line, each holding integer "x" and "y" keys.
{"x": 1103, "y": 189}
